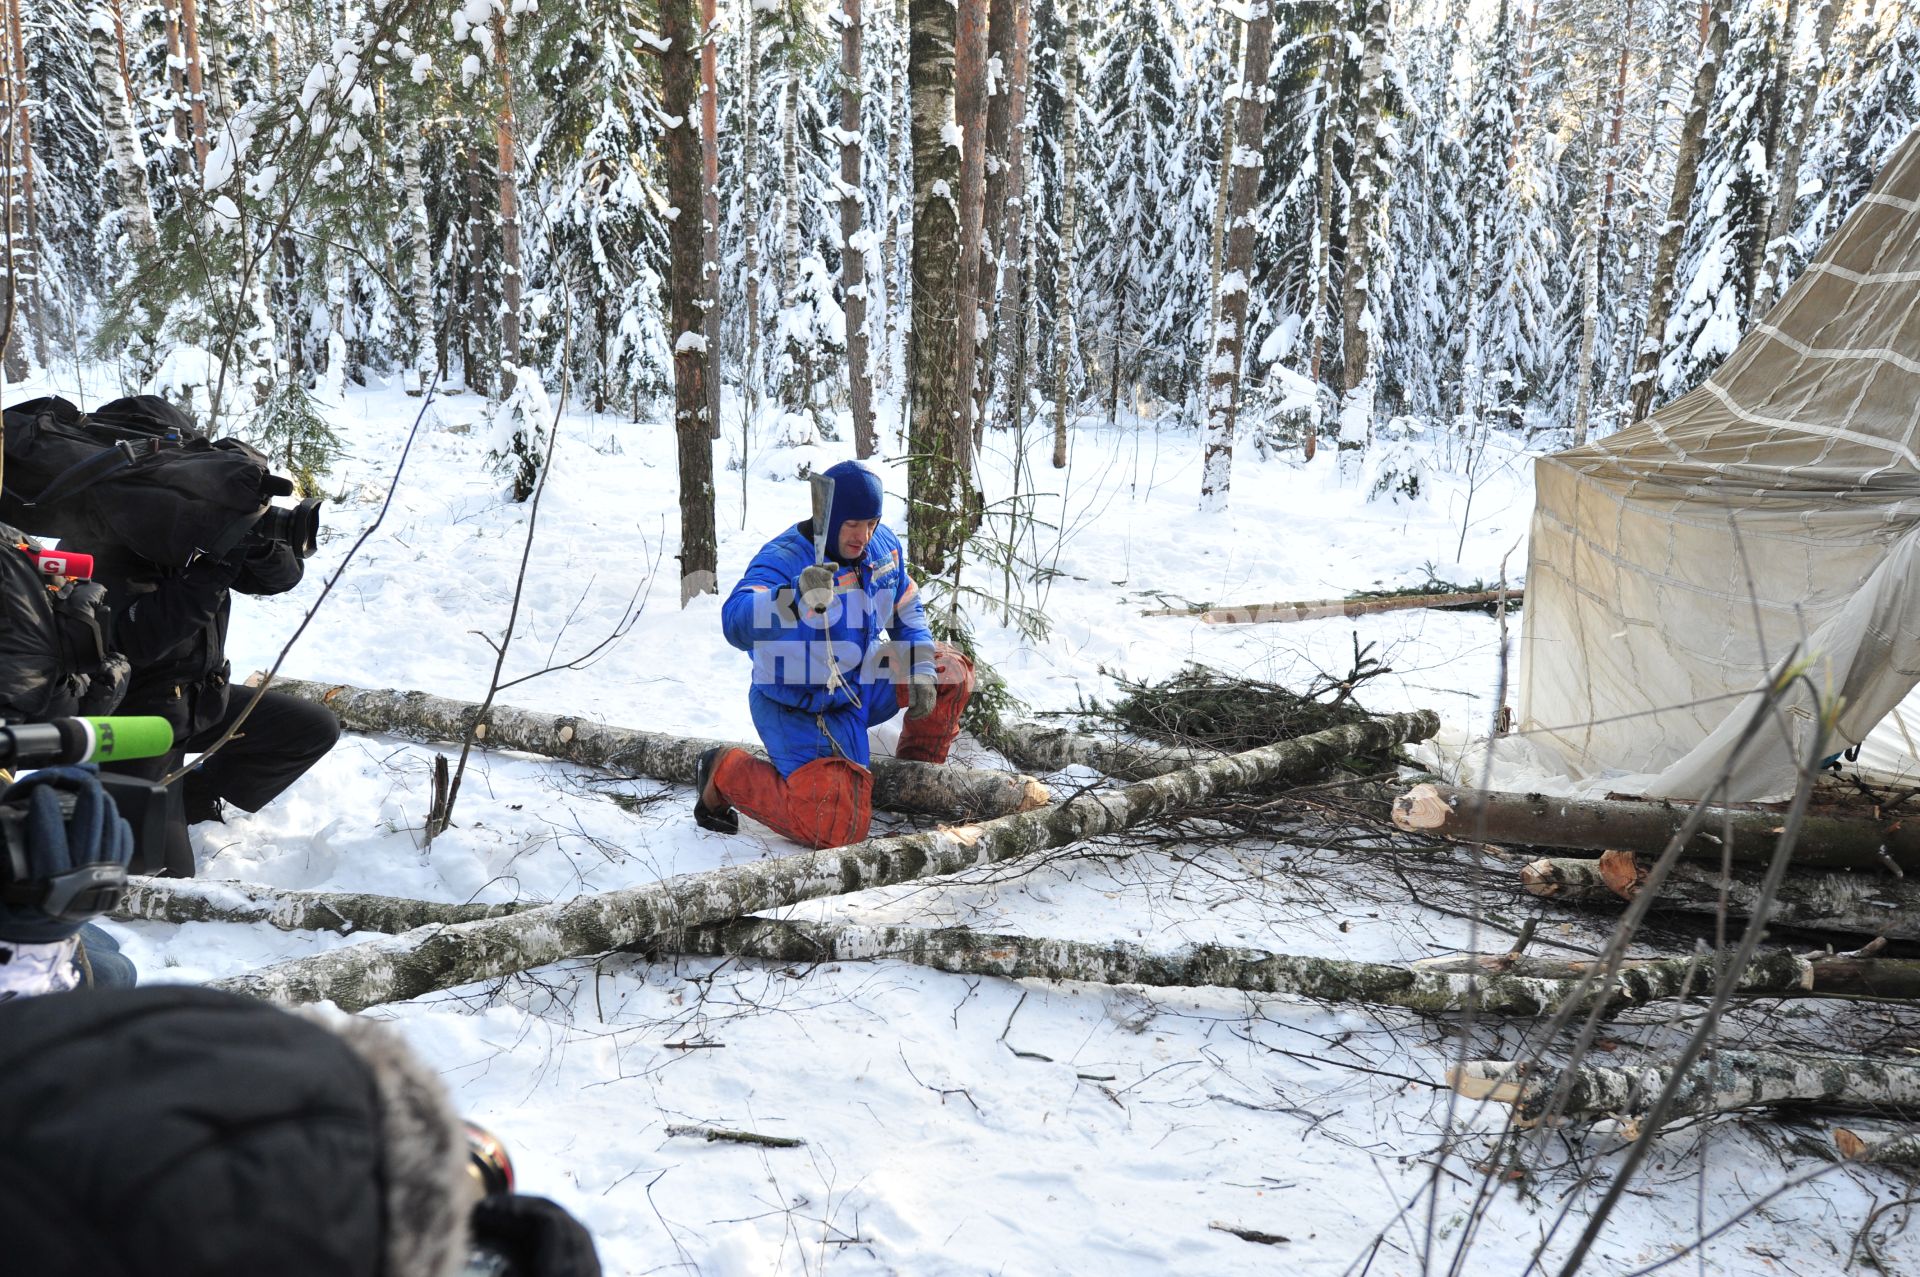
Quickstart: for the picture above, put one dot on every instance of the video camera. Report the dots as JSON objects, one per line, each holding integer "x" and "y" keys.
{"x": 88, "y": 890}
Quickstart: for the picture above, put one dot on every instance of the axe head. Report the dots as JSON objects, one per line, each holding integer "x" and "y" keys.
{"x": 822, "y": 511}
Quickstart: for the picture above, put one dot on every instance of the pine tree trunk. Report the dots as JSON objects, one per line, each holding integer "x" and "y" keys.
{"x": 510, "y": 213}
{"x": 1011, "y": 306}
{"x": 1773, "y": 106}
{"x": 1647, "y": 825}
{"x": 421, "y": 278}
{"x": 945, "y": 790}
{"x": 428, "y": 959}
{"x": 755, "y": 208}
{"x": 1865, "y": 904}
{"x": 1332, "y": 70}
{"x": 970, "y": 114}
{"x": 472, "y": 323}
{"x": 710, "y": 205}
{"x": 1786, "y": 168}
{"x": 1003, "y": 23}
{"x": 1063, "y": 269}
{"x": 1224, "y": 365}
{"x": 686, "y": 286}
{"x": 1726, "y": 1081}
{"x": 854, "y": 237}
{"x": 1589, "y": 287}
{"x": 127, "y": 160}
{"x": 935, "y": 480}
{"x": 1686, "y": 177}
{"x": 1359, "y": 303}
{"x": 196, "y": 83}
{"x": 180, "y": 900}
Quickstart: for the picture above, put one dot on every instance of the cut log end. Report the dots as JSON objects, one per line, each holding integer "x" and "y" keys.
{"x": 1623, "y": 873}
{"x": 1421, "y": 808}
{"x": 1541, "y": 878}
{"x": 1033, "y": 794}
{"x": 1851, "y": 1146}
{"x": 1496, "y": 1080}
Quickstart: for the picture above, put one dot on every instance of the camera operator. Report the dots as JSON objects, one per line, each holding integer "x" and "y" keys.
{"x": 184, "y": 1132}
{"x": 171, "y": 624}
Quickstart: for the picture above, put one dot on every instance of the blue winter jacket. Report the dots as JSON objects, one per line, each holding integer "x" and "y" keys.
{"x": 820, "y": 681}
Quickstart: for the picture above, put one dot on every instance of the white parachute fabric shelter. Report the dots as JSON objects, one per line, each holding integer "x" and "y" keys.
{"x": 1772, "y": 513}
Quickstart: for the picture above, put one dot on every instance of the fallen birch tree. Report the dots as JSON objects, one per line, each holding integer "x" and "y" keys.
{"x": 1865, "y": 903}
{"x": 1321, "y": 609}
{"x": 1048, "y": 749}
{"x": 344, "y": 912}
{"x": 928, "y": 789}
{"x": 1495, "y": 984}
{"x": 436, "y": 957}
{"x": 1723, "y": 1082}
{"x": 1900, "y": 1150}
{"x": 1648, "y": 825}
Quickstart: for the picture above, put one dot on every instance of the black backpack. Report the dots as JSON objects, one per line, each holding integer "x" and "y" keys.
{"x": 54, "y": 659}
{"x": 135, "y": 474}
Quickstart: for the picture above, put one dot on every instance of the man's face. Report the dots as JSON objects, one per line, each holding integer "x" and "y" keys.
{"x": 854, "y": 535}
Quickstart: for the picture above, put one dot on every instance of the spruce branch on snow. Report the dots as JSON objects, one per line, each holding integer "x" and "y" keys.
{"x": 432, "y": 958}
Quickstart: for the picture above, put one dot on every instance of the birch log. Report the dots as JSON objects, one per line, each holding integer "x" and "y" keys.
{"x": 924, "y": 788}
{"x": 1648, "y": 825}
{"x": 1048, "y": 749}
{"x": 1321, "y": 609}
{"x": 1868, "y": 904}
{"x": 1729, "y": 1080}
{"x": 200, "y": 900}
{"x": 1497, "y": 985}
{"x": 431, "y": 958}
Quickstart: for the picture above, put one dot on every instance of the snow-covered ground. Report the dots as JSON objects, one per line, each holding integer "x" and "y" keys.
{"x": 951, "y": 1125}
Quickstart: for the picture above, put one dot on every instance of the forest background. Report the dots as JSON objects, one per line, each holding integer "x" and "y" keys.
{"x": 1285, "y": 226}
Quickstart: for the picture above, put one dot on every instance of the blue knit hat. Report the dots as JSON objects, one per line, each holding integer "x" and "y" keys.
{"x": 856, "y": 495}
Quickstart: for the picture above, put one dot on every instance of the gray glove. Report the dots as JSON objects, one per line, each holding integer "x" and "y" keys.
{"x": 816, "y": 587}
{"x": 922, "y": 692}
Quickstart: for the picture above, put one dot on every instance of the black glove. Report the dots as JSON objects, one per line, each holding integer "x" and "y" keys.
{"x": 536, "y": 1237}
{"x": 63, "y": 868}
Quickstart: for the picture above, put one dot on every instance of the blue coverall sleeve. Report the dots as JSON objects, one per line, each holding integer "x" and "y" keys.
{"x": 756, "y": 612}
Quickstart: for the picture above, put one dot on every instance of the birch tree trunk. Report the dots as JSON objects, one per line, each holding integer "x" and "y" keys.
{"x": 1069, "y": 218}
{"x": 854, "y": 237}
{"x": 789, "y": 178}
{"x": 1496, "y": 985}
{"x": 1224, "y": 367}
{"x": 970, "y": 114}
{"x": 1648, "y": 825}
{"x": 1589, "y": 287}
{"x": 1048, "y": 749}
{"x": 936, "y": 480}
{"x": 751, "y": 215}
{"x": 1332, "y": 70}
{"x": 1901, "y": 1150}
{"x": 427, "y": 959}
{"x": 710, "y": 207}
{"x": 345, "y": 913}
{"x": 1372, "y": 178}
{"x": 1773, "y": 108}
{"x": 126, "y": 158}
{"x": 1006, "y": 31}
{"x": 1726, "y": 1081}
{"x": 1686, "y": 177}
{"x": 1223, "y": 188}
{"x": 504, "y": 130}
{"x": 1786, "y": 169}
{"x": 423, "y": 363}
{"x": 1865, "y": 904}
{"x": 899, "y": 152}
{"x": 26, "y": 255}
{"x": 181, "y": 143}
{"x": 943, "y": 790}
{"x": 680, "y": 153}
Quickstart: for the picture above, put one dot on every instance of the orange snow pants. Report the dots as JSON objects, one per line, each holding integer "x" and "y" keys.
{"x": 829, "y": 802}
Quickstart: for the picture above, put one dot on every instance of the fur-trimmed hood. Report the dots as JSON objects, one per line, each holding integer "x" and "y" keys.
{"x": 175, "y": 1130}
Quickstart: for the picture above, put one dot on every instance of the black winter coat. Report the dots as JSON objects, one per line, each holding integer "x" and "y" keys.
{"x": 171, "y": 624}
{"x": 182, "y": 1132}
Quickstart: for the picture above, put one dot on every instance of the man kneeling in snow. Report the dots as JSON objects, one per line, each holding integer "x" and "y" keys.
{"x": 823, "y": 673}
